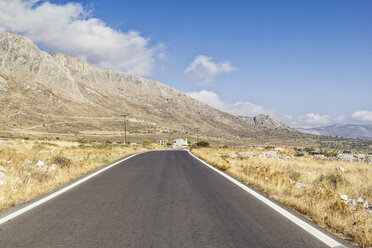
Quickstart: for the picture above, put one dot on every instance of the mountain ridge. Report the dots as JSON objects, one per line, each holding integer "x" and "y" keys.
{"x": 342, "y": 130}
{"x": 72, "y": 87}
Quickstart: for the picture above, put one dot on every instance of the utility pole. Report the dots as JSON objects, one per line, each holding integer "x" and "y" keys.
{"x": 197, "y": 135}
{"x": 125, "y": 128}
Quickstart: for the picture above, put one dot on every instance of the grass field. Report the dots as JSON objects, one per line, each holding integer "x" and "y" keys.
{"x": 311, "y": 187}
{"x": 30, "y": 168}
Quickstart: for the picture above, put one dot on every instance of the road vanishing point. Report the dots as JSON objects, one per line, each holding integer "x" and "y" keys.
{"x": 154, "y": 199}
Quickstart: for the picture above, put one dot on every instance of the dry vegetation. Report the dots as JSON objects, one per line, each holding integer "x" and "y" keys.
{"x": 31, "y": 168}
{"x": 312, "y": 187}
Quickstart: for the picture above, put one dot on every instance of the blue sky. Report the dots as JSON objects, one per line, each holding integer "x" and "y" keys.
{"x": 309, "y": 63}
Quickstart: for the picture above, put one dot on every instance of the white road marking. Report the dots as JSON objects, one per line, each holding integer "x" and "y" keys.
{"x": 57, "y": 193}
{"x": 307, "y": 227}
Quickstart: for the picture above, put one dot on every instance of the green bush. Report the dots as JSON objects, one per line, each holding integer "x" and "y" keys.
{"x": 309, "y": 149}
{"x": 299, "y": 154}
{"x": 202, "y": 144}
{"x": 82, "y": 141}
{"x": 330, "y": 154}
{"x": 146, "y": 142}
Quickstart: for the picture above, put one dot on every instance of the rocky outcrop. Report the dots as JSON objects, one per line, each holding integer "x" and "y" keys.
{"x": 21, "y": 56}
{"x": 265, "y": 121}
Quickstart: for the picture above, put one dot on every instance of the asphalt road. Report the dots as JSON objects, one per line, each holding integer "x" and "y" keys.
{"x": 156, "y": 199}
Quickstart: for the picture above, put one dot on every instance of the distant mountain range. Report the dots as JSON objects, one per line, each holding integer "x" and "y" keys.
{"x": 342, "y": 130}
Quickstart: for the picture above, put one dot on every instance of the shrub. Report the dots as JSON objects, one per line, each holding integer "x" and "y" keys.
{"x": 331, "y": 154}
{"x": 202, "y": 144}
{"x": 309, "y": 149}
{"x": 146, "y": 142}
{"x": 297, "y": 149}
{"x": 169, "y": 143}
{"x": 61, "y": 161}
{"x": 299, "y": 154}
{"x": 333, "y": 179}
{"x": 294, "y": 175}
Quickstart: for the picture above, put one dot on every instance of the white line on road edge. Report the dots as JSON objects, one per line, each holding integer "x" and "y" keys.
{"x": 307, "y": 227}
{"x": 57, "y": 193}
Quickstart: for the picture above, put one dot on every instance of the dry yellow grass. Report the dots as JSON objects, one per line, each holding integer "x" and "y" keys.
{"x": 318, "y": 194}
{"x": 31, "y": 168}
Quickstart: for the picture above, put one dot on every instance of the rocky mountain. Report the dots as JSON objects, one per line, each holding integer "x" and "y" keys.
{"x": 265, "y": 121}
{"x": 342, "y": 130}
{"x": 56, "y": 95}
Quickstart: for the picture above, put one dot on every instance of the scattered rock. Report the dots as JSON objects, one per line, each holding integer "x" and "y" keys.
{"x": 352, "y": 202}
{"x": 52, "y": 168}
{"x": 344, "y": 197}
{"x": 360, "y": 201}
{"x": 40, "y": 164}
{"x": 269, "y": 154}
{"x": 319, "y": 156}
{"x": 302, "y": 185}
{"x": 2, "y": 182}
{"x": 279, "y": 149}
{"x": 244, "y": 154}
{"x": 341, "y": 169}
{"x": 2, "y": 175}
{"x": 361, "y": 158}
{"x": 3, "y": 169}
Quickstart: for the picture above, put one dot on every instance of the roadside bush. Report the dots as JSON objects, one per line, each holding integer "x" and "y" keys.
{"x": 146, "y": 142}
{"x": 203, "y": 144}
{"x": 61, "y": 161}
{"x": 334, "y": 180}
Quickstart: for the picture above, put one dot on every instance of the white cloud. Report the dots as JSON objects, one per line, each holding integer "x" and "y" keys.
{"x": 69, "y": 28}
{"x": 311, "y": 120}
{"x": 203, "y": 69}
{"x": 362, "y": 115}
{"x": 240, "y": 108}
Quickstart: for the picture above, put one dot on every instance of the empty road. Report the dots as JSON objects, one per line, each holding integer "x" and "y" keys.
{"x": 155, "y": 199}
